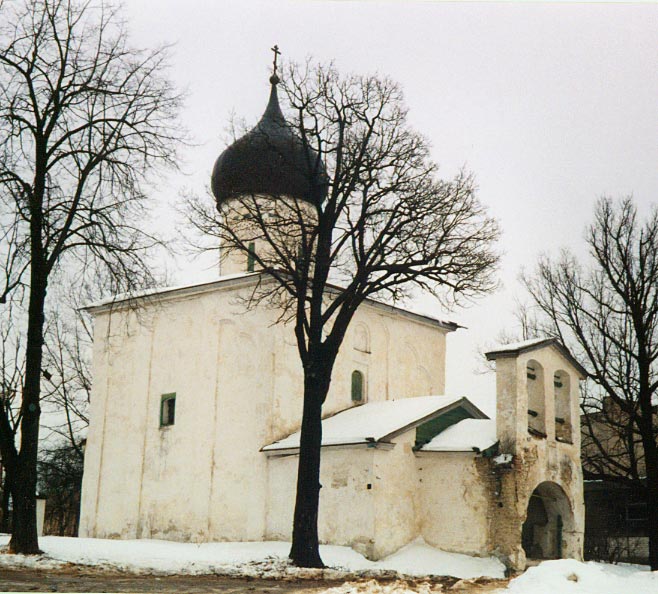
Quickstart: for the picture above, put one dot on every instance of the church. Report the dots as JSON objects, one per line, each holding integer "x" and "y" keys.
{"x": 197, "y": 404}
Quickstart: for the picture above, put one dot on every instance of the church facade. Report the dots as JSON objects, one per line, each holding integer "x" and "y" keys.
{"x": 197, "y": 404}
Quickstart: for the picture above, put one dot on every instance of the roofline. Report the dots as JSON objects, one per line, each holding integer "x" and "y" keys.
{"x": 421, "y": 452}
{"x": 449, "y": 326}
{"x": 503, "y": 353}
{"x": 122, "y": 301}
{"x": 294, "y": 450}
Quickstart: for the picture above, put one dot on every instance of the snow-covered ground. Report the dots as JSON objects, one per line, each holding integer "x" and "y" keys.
{"x": 257, "y": 559}
{"x": 567, "y": 576}
{"x": 269, "y": 560}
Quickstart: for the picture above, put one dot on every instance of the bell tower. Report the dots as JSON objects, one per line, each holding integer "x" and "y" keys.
{"x": 538, "y": 507}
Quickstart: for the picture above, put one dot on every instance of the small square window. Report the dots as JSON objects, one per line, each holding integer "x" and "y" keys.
{"x": 167, "y": 410}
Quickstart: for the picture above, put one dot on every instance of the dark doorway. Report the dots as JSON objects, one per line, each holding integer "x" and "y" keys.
{"x": 542, "y": 534}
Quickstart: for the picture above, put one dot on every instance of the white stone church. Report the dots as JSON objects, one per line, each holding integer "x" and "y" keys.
{"x": 197, "y": 403}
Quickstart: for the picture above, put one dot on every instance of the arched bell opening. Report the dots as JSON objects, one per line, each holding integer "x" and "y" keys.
{"x": 563, "y": 420}
{"x": 536, "y": 399}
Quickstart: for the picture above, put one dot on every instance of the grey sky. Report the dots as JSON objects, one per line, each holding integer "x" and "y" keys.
{"x": 550, "y": 105}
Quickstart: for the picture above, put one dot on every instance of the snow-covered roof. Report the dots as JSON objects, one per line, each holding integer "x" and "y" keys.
{"x": 516, "y": 348}
{"x": 379, "y": 421}
{"x": 229, "y": 280}
{"x": 123, "y": 297}
{"x": 468, "y": 435}
{"x": 520, "y": 346}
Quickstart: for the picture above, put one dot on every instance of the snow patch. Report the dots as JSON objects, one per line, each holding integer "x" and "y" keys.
{"x": 567, "y": 576}
{"x": 253, "y": 559}
{"x": 466, "y": 436}
{"x": 420, "y": 559}
{"x": 518, "y": 346}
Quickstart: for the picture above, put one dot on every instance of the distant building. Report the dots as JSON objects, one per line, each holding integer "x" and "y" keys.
{"x": 617, "y": 514}
{"x": 197, "y": 403}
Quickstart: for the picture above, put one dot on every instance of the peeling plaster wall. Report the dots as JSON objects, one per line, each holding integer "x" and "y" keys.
{"x": 347, "y": 506}
{"x": 455, "y": 493}
{"x": 438, "y": 495}
{"x": 397, "y": 509}
{"x": 238, "y": 384}
{"x": 113, "y": 460}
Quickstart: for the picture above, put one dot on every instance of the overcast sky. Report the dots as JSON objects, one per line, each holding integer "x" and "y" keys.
{"x": 550, "y": 105}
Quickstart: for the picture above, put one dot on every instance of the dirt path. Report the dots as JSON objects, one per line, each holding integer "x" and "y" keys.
{"x": 76, "y": 579}
{"x": 82, "y": 579}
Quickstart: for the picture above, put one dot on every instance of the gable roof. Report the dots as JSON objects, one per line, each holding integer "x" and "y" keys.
{"x": 379, "y": 422}
{"x": 234, "y": 281}
{"x": 468, "y": 435}
{"x": 517, "y": 348}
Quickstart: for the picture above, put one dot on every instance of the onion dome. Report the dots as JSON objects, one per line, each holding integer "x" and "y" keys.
{"x": 270, "y": 159}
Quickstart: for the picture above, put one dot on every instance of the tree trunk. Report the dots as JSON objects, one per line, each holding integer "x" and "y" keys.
{"x": 652, "y": 498}
{"x": 645, "y": 423}
{"x": 651, "y": 461}
{"x": 305, "y": 551}
{"x": 24, "y": 538}
{"x": 7, "y": 487}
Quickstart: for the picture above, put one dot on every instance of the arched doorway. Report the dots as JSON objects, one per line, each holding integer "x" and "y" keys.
{"x": 548, "y": 519}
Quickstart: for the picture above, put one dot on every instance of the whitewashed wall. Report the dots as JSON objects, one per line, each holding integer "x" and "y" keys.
{"x": 238, "y": 384}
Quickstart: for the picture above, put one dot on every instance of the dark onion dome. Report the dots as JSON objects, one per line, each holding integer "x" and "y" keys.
{"x": 270, "y": 159}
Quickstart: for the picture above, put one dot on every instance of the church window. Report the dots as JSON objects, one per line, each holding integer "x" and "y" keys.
{"x": 536, "y": 399}
{"x": 357, "y": 386}
{"x": 251, "y": 257}
{"x": 167, "y": 409}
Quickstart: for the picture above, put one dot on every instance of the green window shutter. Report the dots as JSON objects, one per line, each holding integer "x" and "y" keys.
{"x": 251, "y": 260}
{"x": 357, "y": 386}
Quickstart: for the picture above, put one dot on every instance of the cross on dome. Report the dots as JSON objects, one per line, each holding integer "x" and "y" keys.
{"x": 274, "y": 79}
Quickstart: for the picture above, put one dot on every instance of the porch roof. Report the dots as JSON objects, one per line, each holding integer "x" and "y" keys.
{"x": 379, "y": 422}
{"x": 468, "y": 435}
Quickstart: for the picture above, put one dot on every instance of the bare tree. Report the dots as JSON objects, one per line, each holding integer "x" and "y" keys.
{"x": 376, "y": 222}
{"x": 526, "y": 327}
{"x": 608, "y": 315}
{"x": 60, "y": 480}
{"x": 12, "y": 366}
{"x": 83, "y": 116}
{"x": 66, "y": 392}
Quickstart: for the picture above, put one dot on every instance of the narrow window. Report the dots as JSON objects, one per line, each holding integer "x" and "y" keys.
{"x": 251, "y": 259}
{"x": 357, "y": 386}
{"x": 167, "y": 409}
